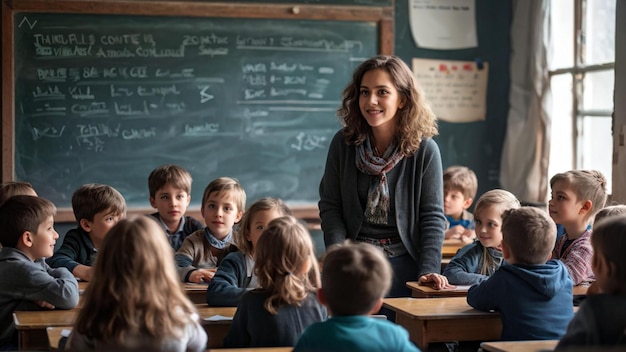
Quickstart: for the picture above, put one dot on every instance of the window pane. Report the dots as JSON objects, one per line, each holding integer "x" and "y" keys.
{"x": 600, "y": 31}
{"x": 596, "y": 145}
{"x": 561, "y": 149}
{"x": 562, "y": 34}
{"x": 598, "y": 91}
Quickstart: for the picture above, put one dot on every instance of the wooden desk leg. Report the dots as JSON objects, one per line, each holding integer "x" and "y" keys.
{"x": 33, "y": 340}
{"x": 416, "y": 328}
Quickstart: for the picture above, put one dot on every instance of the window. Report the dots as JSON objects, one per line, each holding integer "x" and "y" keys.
{"x": 582, "y": 64}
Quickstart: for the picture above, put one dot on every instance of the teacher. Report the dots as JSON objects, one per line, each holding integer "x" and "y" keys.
{"x": 383, "y": 181}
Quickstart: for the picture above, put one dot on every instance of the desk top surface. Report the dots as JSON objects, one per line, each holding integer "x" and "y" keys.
{"x": 82, "y": 286}
{"x": 519, "y": 346}
{"x": 435, "y": 308}
{"x": 25, "y": 320}
{"x": 458, "y": 291}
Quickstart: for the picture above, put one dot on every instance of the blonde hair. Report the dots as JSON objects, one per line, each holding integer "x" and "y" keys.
{"x": 414, "y": 122}
{"x": 15, "y": 188}
{"x": 169, "y": 173}
{"x": 283, "y": 251}
{"x": 460, "y": 178}
{"x": 611, "y": 210}
{"x": 609, "y": 240}
{"x": 502, "y": 200}
{"x": 92, "y": 198}
{"x": 354, "y": 277}
{"x": 135, "y": 289}
{"x": 241, "y": 235}
{"x": 587, "y": 185}
{"x": 530, "y": 234}
{"x": 226, "y": 184}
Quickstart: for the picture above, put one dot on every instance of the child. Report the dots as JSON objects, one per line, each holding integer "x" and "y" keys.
{"x": 235, "y": 274}
{"x": 276, "y": 313}
{"x": 135, "y": 301}
{"x": 459, "y": 189}
{"x": 15, "y": 188}
{"x": 611, "y": 210}
{"x": 534, "y": 297}
{"x": 362, "y": 269}
{"x": 201, "y": 253}
{"x": 26, "y": 281}
{"x": 475, "y": 263}
{"x": 97, "y": 208}
{"x": 576, "y": 196}
{"x": 601, "y": 319}
{"x": 170, "y": 194}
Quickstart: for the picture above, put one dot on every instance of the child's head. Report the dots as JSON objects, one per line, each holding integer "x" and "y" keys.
{"x": 255, "y": 221}
{"x": 576, "y": 196}
{"x": 27, "y": 223}
{"x": 611, "y": 210}
{"x": 459, "y": 189}
{"x": 137, "y": 292}
{"x": 529, "y": 235}
{"x": 609, "y": 263}
{"x": 414, "y": 120}
{"x": 97, "y": 208}
{"x": 223, "y": 203}
{"x": 488, "y": 215}
{"x": 170, "y": 192}
{"x": 355, "y": 278}
{"x": 15, "y": 188}
{"x": 285, "y": 263}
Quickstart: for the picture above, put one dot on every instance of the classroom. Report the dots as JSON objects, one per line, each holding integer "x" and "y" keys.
{"x": 104, "y": 91}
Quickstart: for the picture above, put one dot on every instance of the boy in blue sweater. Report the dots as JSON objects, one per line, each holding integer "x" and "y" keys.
{"x": 355, "y": 278}
{"x": 532, "y": 293}
{"x": 26, "y": 281}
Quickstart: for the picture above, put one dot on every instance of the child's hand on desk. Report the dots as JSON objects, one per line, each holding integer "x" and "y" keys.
{"x": 202, "y": 275}
{"x": 455, "y": 232}
{"x": 44, "y": 304}
{"x": 468, "y": 236}
{"x": 437, "y": 281}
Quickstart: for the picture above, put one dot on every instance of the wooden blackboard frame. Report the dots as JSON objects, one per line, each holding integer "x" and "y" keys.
{"x": 382, "y": 16}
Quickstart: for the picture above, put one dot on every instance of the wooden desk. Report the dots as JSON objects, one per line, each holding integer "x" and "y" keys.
{"x": 450, "y": 247}
{"x": 580, "y": 290}
{"x": 258, "y": 349}
{"x": 423, "y": 291}
{"x": 443, "y": 319}
{"x": 196, "y": 292}
{"x": 519, "y": 346}
{"x": 31, "y": 325}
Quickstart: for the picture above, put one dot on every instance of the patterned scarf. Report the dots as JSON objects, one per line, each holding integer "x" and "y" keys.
{"x": 219, "y": 244}
{"x": 377, "y": 209}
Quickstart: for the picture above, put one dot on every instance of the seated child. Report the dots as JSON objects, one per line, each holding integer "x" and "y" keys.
{"x": 610, "y": 210}
{"x": 97, "y": 208}
{"x": 362, "y": 270}
{"x": 477, "y": 261}
{"x": 26, "y": 281}
{"x": 135, "y": 301}
{"x": 235, "y": 274}
{"x": 576, "y": 196}
{"x": 532, "y": 293}
{"x": 276, "y": 313}
{"x": 601, "y": 319}
{"x": 459, "y": 189}
{"x": 170, "y": 194}
{"x": 201, "y": 253}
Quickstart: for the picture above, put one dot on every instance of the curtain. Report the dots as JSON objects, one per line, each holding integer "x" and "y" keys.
{"x": 526, "y": 150}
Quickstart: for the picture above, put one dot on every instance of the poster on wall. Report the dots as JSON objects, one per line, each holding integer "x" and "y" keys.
{"x": 443, "y": 24}
{"x": 456, "y": 90}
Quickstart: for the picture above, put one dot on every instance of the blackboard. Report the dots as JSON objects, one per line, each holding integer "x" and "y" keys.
{"x": 108, "y": 97}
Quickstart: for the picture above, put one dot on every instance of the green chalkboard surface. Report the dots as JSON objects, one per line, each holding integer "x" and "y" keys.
{"x": 107, "y": 98}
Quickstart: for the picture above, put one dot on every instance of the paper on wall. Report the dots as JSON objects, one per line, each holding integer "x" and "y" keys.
{"x": 443, "y": 24}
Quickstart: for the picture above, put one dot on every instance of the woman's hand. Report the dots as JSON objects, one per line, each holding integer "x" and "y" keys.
{"x": 437, "y": 281}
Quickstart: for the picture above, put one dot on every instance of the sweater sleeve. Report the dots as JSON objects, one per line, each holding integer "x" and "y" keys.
{"x": 432, "y": 221}
{"x": 484, "y": 296}
{"x": 226, "y": 287}
{"x": 68, "y": 255}
{"x": 462, "y": 268}
{"x": 580, "y": 329}
{"x": 41, "y": 283}
{"x": 184, "y": 259}
{"x": 578, "y": 261}
{"x": 330, "y": 203}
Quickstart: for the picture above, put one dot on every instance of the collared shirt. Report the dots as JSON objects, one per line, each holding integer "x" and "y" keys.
{"x": 175, "y": 239}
